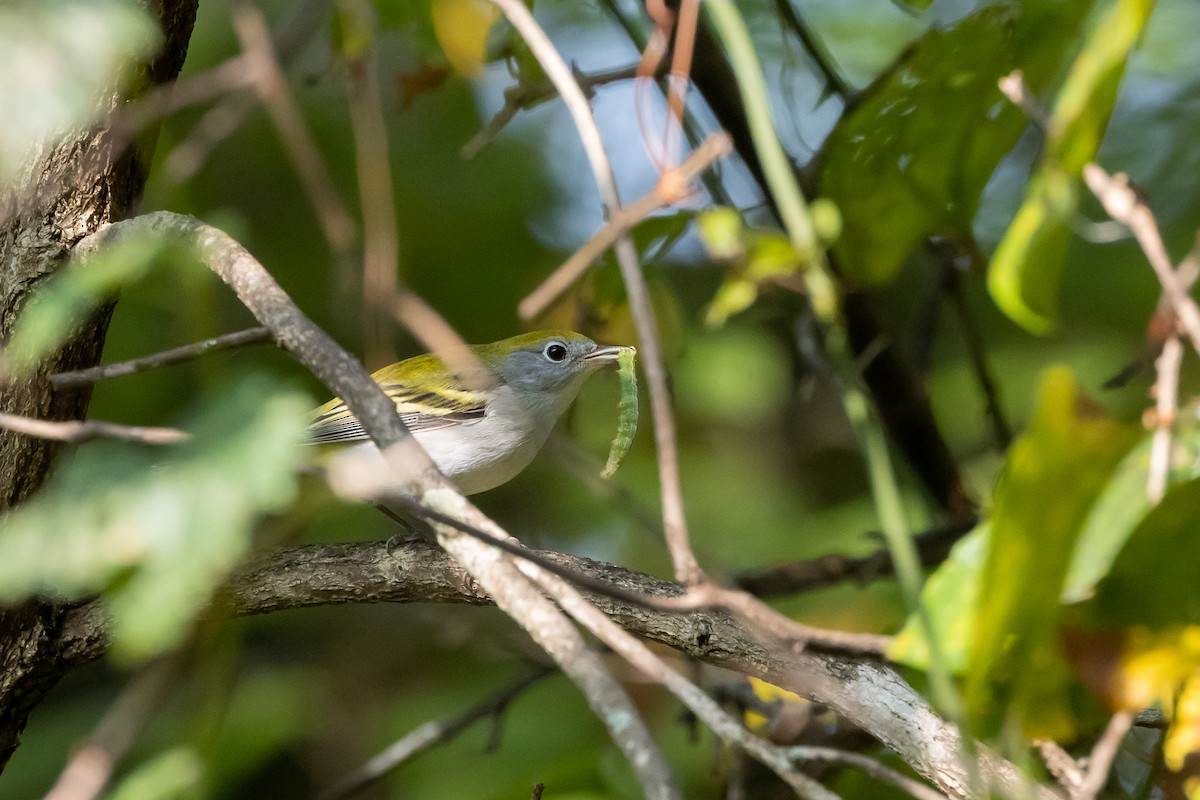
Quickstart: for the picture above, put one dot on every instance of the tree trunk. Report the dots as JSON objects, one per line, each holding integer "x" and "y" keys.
{"x": 65, "y": 193}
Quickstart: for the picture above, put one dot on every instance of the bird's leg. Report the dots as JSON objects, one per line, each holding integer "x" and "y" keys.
{"x": 410, "y": 531}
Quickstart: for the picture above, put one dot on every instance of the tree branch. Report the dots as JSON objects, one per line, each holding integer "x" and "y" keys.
{"x": 86, "y": 430}
{"x": 228, "y": 341}
{"x": 865, "y": 691}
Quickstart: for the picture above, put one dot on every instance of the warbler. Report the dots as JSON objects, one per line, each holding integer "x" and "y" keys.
{"x": 479, "y": 433}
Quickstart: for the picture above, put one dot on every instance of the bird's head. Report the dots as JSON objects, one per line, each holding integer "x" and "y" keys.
{"x": 547, "y": 366}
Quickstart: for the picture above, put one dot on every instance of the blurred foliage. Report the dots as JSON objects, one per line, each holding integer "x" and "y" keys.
{"x": 1073, "y": 594}
{"x": 56, "y": 56}
{"x": 1025, "y": 269}
{"x": 72, "y": 295}
{"x": 159, "y": 530}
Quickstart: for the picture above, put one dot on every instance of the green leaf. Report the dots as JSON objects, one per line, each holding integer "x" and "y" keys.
{"x": 911, "y": 159}
{"x": 721, "y": 232}
{"x": 1054, "y": 474}
{"x": 1025, "y": 270}
{"x": 1153, "y": 579}
{"x": 58, "y": 56}
{"x": 462, "y": 28}
{"x": 158, "y": 530}
{"x": 1120, "y": 509}
{"x": 951, "y": 598}
{"x": 1024, "y": 273}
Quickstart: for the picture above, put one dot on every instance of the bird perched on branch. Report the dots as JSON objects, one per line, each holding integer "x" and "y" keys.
{"x": 483, "y": 420}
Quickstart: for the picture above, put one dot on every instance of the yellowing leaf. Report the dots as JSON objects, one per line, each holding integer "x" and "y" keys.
{"x": 1183, "y": 737}
{"x": 1155, "y": 664}
{"x": 1053, "y": 476}
{"x": 462, "y": 28}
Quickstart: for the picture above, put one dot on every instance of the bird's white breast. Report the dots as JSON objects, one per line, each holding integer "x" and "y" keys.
{"x": 484, "y": 453}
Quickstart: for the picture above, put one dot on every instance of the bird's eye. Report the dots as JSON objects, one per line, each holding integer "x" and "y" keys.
{"x": 555, "y": 352}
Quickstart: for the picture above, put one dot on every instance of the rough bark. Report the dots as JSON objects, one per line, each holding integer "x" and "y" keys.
{"x": 866, "y": 691}
{"x": 70, "y": 187}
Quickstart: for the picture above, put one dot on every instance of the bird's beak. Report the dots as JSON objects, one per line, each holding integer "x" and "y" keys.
{"x": 604, "y": 354}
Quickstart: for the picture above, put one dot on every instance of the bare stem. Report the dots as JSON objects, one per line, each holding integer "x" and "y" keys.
{"x": 374, "y": 171}
{"x": 871, "y": 766}
{"x": 87, "y": 430}
{"x": 687, "y": 568}
{"x": 1123, "y": 204}
{"x": 670, "y": 189}
{"x": 1101, "y": 759}
{"x": 429, "y": 735}
{"x": 91, "y": 766}
{"x": 228, "y": 341}
{"x": 1166, "y": 390}
{"x": 281, "y": 107}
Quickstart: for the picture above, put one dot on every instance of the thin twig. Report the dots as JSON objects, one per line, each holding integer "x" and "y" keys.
{"x": 704, "y": 707}
{"x": 92, "y": 765}
{"x": 1060, "y": 764}
{"x": 1166, "y": 399}
{"x": 679, "y": 78}
{"x": 687, "y": 568}
{"x": 706, "y": 595}
{"x": 1123, "y": 204}
{"x": 671, "y": 188}
{"x": 802, "y": 576}
{"x": 525, "y": 96}
{"x": 1013, "y": 87}
{"x": 1101, "y": 759}
{"x": 228, "y": 341}
{"x": 374, "y": 171}
{"x": 871, "y": 766}
{"x": 977, "y": 355}
{"x": 429, "y": 735}
{"x": 220, "y": 121}
{"x": 272, "y": 89}
{"x": 86, "y": 430}
{"x": 439, "y": 337}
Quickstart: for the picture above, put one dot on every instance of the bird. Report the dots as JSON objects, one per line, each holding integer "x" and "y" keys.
{"x": 480, "y": 434}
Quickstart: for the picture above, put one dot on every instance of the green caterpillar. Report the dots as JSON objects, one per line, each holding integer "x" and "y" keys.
{"x": 627, "y": 411}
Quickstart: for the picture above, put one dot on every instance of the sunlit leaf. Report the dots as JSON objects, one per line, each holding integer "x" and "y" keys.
{"x": 1119, "y": 510}
{"x": 721, "y": 232}
{"x": 1053, "y": 476}
{"x": 1183, "y": 737}
{"x": 911, "y": 158}
{"x": 462, "y": 28}
{"x": 951, "y": 598}
{"x": 758, "y": 256}
{"x": 56, "y": 56}
{"x": 158, "y": 530}
{"x": 1024, "y": 273}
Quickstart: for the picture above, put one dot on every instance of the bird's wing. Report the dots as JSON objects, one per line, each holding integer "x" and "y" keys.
{"x": 430, "y": 408}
